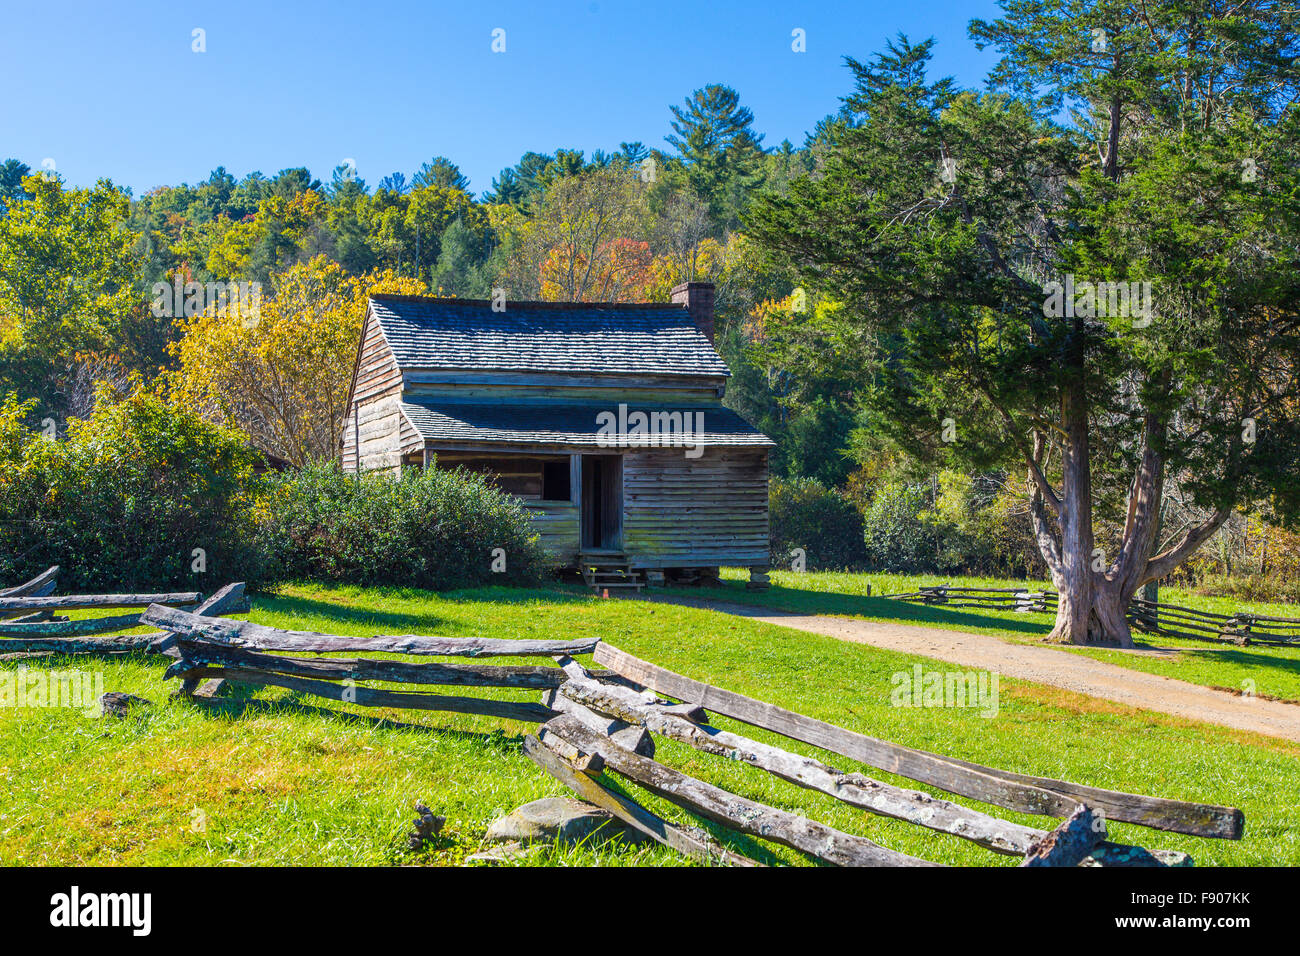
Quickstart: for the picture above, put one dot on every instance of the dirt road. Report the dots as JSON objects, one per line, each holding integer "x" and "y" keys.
{"x": 1042, "y": 665}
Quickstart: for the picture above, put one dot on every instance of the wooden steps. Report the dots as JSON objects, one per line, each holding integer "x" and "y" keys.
{"x": 601, "y": 571}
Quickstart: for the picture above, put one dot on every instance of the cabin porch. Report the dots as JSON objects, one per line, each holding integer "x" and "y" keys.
{"x": 627, "y": 517}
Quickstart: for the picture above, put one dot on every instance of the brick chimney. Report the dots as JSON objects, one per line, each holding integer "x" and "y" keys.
{"x": 698, "y": 299}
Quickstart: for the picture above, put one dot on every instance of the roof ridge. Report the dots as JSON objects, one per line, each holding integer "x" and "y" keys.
{"x": 527, "y": 303}
{"x": 442, "y": 398}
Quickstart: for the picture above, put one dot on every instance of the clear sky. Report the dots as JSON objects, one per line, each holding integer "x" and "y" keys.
{"x": 114, "y": 89}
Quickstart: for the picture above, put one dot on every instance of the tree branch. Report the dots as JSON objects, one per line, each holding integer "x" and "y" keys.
{"x": 1168, "y": 560}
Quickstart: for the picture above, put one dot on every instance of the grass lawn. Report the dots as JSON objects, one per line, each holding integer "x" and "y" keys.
{"x": 274, "y": 778}
{"x": 1274, "y": 671}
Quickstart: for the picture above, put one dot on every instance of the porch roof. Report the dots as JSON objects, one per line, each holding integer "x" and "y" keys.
{"x": 535, "y": 423}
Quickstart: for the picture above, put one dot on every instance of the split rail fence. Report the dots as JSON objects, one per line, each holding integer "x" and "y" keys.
{"x": 606, "y": 721}
{"x": 599, "y": 723}
{"x": 581, "y": 743}
{"x": 32, "y": 622}
{"x": 206, "y": 648}
{"x": 1166, "y": 620}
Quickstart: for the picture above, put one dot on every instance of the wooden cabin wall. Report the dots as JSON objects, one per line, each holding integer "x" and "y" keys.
{"x": 557, "y": 526}
{"x": 376, "y": 432}
{"x": 696, "y": 512}
{"x": 348, "y": 453}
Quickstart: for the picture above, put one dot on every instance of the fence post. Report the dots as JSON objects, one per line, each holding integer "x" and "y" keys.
{"x": 1151, "y": 615}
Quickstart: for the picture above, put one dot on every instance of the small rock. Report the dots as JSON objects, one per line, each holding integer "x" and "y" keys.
{"x": 427, "y": 826}
{"x": 504, "y": 853}
{"x": 117, "y": 704}
{"x": 559, "y": 820}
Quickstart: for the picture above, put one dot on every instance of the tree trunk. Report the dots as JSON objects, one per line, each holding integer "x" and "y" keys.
{"x": 1095, "y": 591}
{"x": 1091, "y": 607}
{"x": 1092, "y": 611}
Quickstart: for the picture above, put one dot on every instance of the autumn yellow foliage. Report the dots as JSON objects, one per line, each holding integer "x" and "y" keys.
{"x": 281, "y": 372}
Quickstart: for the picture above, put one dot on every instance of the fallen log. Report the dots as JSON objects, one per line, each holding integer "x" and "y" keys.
{"x": 1071, "y": 842}
{"x": 757, "y": 819}
{"x": 1038, "y": 795}
{"x": 98, "y": 602}
{"x": 629, "y": 811}
{"x": 198, "y": 655}
{"x": 259, "y": 637}
{"x": 372, "y": 697}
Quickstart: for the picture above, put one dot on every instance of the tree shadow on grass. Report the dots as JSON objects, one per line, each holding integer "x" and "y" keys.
{"x": 371, "y": 617}
{"x": 778, "y": 601}
{"x": 409, "y": 622}
{"x": 241, "y": 703}
{"x": 1244, "y": 658}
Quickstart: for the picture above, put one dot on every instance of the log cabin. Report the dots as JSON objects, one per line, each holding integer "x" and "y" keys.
{"x": 605, "y": 420}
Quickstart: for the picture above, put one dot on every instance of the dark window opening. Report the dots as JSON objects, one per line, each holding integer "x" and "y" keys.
{"x": 555, "y": 480}
{"x": 530, "y": 478}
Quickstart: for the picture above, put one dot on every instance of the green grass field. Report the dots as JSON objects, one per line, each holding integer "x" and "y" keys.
{"x": 275, "y": 778}
{"x": 1274, "y": 671}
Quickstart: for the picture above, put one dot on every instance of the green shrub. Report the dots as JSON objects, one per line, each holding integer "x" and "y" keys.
{"x": 981, "y": 527}
{"x": 806, "y": 514}
{"x": 897, "y": 535}
{"x": 123, "y": 502}
{"x": 428, "y": 529}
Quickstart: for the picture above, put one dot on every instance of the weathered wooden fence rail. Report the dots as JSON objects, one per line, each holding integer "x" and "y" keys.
{"x": 572, "y": 748}
{"x": 252, "y": 636}
{"x": 205, "y": 648}
{"x": 993, "y": 599}
{"x": 39, "y": 586}
{"x": 29, "y": 625}
{"x": 1166, "y": 620}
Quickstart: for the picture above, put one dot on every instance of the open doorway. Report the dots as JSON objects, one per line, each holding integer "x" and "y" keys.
{"x": 602, "y": 502}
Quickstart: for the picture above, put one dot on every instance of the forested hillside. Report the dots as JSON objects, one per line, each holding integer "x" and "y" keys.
{"x": 241, "y": 298}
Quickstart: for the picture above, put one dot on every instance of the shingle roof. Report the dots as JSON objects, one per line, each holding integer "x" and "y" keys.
{"x": 647, "y": 339}
{"x": 546, "y": 423}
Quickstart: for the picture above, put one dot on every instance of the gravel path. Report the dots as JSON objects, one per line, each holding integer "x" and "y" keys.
{"x": 1042, "y": 665}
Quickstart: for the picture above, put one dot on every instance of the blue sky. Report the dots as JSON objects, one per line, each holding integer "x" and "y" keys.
{"x": 115, "y": 90}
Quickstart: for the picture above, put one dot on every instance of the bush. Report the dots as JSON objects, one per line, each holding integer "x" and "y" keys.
{"x": 122, "y": 503}
{"x": 427, "y": 529}
{"x": 806, "y": 514}
{"x": 981, "y": 526}
{"x": 1269, "y": 588}
{"x": 897, "y": 536}
{"x": 124, "y": 500}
